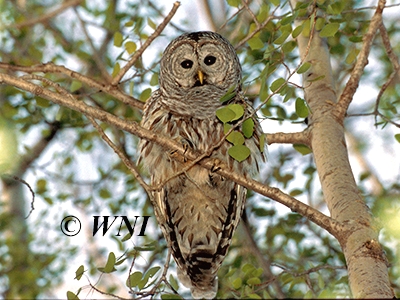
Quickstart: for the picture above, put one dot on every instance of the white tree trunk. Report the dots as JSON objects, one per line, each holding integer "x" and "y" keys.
{"x": 366, "y": 261}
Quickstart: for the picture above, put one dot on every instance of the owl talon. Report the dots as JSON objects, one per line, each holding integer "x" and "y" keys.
{"x": 216, "y": 167}
{"x": 186, "y": 145}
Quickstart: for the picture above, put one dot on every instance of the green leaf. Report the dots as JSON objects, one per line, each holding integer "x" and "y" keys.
{"x": 282, "y": 38}
{"x": 303, "y": 149}
{"x": 255, "y": 43}
{"x": 262, "y": 143}
{"x": 253, "y": 281}
{"x": 72, "y": 296}
{"x": 316, "y": 78}
{"x": 230, "y": 272}
{"x": 257, "y": 272}
{"x": 296, "y": 32}
{"x": 288, "y": 47}
{"x": 41, "y": 186}
{"x": 154, "y": 79}
{"x": 301, "y": 108}
{"x": 116, "y": 69}
{"x": 247, "y": 268}
{"x": 277, "y": 84}
{"x": 126, "y": 237}
{"x": 288, "y": 20}
{"x": 170, "y": 297}
{"x": 134, "y": 279}
{"x": 397, "y": 137}
{"x": 239, "y": 152}
{"x": 235, "y": 138}
{"x": 105, "y": 194}
{"x": 234, "y": 3}
{"x": 253, "y": 296}
{"x": 151, "y": 24}
{"x": 296, "y": 192}
{"x": 79, "y": 272}
{"x": 248, "y": 128}
{"x": 130, "y": 47}
{"x": 237, "y": 283}
{"x": 263, "y": 90}
{"x": 229, "y": 94}
{"x": 225, "y": 114}
{"x": 118, "y": 38}
{"x": 304, "y": 68}
{"x": 75, "y": 85}
{"x": 110, "y": 263}
{"x": 145, "y": 95}
{"x": 336, "y": 7}
{"x": 352, "y": 56}
{"x": 238, "y": 110}
{"x": 306, "y": 28}
{"x": 329, "y": 30}
{"x": 120, "y": 261}
{"x": 319, "y": 24}
{"x": 149, "y": 274}
{"x": 173, "y": 282}
{"x": 356, "y": 39}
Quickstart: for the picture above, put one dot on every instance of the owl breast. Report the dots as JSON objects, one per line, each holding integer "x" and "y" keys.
{"x": 197, "y": 209}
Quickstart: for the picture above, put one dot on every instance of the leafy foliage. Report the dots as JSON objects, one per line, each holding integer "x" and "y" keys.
{"x": 275, "y": 253}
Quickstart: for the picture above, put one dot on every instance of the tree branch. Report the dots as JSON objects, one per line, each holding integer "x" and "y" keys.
{"x": 149, "y": 40}
{"x": 43, "y": 18}
{"x": 69, "y": 101}
{"x": 122, "y": 156}
{"x": 289, "y": 138}
{"x": 362, "y": 60}
{"x": 52, "y": 68}
{"x": 96, "y": 54}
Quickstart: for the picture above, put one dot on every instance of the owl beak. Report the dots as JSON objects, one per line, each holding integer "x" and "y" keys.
{"x": 201, "y": 76}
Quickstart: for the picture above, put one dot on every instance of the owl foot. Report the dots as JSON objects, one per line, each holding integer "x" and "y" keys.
{"x": 186, "y": 145}
{"x": 216, "y": 165}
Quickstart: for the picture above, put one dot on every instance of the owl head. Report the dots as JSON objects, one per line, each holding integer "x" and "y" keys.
{"x": 199, "y": 60}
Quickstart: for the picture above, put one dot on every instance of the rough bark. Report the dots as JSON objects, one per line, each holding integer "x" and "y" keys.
{"x": 366, "y": 262}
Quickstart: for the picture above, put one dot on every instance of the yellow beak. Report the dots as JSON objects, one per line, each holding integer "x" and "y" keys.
{"x": 201, "y": 76}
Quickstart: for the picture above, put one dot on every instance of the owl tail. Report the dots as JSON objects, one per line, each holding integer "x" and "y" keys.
{"x": 203, "y": 290}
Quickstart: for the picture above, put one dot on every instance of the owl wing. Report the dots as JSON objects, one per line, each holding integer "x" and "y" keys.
{"x": 198, "y": 222}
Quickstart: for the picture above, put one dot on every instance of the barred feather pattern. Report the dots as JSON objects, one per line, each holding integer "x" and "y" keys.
{"x": 198, "y": 210}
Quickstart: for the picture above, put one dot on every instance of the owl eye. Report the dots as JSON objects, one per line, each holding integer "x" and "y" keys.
{"x": 210, "y": 60}
{"x": 187, "y": 64}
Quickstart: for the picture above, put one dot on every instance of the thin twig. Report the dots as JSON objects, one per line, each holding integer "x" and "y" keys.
{"x": 101, "y": 87}
{"x": 362, "y": 60}
{"x": 395, "y": 62}
{"x": 122, "y": 156}
{"x": 209, "y": 15}
{"x": 149, "y": 40}
{"x": 259, "y": 27}
{"x": 46, "y": 16}
{"x": 96, "y": 55}
{"x": 16, "y": 178}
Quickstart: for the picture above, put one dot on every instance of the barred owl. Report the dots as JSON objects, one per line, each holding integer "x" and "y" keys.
{"x": 198, "y": 210}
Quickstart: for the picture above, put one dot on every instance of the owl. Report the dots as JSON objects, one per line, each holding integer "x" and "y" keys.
{"x": 198, "y": 210}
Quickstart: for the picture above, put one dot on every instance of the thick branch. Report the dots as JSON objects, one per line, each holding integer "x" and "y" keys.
{"x": 132, "y": 127}
{"x": 367, "y": 269}
{"x": 289, "y": 138}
